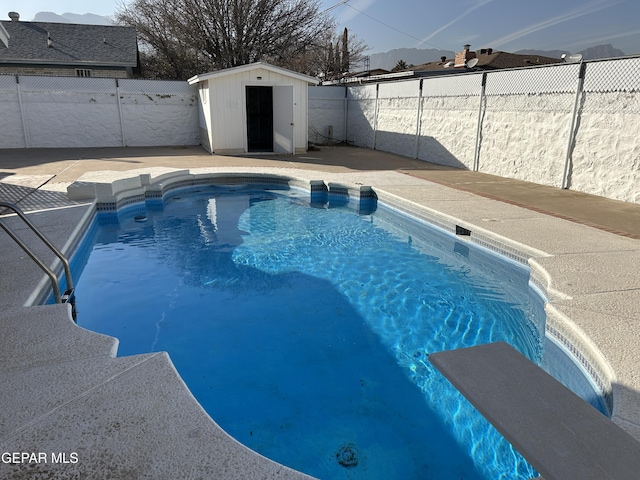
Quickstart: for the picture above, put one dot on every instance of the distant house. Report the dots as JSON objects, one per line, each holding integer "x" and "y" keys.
{"x": 464, "y": 61}
{"x": 358, "y": 77}
{"x": 367, "y": 73}
{"x": 66, "y": 49}
{"x": 484, "y": 59}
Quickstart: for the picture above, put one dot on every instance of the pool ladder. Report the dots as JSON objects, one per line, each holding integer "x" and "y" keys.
{"x": 68, "y": 295}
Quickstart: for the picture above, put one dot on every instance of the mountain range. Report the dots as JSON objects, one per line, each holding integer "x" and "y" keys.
{"x": 591, "y": 53}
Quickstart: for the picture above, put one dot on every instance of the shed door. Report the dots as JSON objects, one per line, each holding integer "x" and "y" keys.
{"x": 260, "y": 117}
{"x": 283, "y": 119}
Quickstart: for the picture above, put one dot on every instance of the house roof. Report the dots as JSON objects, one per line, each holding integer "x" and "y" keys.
{"x": 249, "y": 67}
{"x": 71, "y": 44}
{"x": 4, "y": 37}
{"x": 492, "y": 61}
{"x": 368, "y": 73}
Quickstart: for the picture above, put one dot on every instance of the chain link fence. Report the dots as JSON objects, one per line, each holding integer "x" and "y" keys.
{"x": 569, "y": 125}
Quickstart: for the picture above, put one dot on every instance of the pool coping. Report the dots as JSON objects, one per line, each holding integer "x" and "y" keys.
{"x": 573, "y": 317}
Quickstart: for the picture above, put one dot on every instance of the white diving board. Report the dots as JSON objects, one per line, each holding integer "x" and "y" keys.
{"x": 560, "y": 435}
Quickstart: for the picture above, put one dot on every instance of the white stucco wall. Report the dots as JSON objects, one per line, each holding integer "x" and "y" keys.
{"x": 606, "y": 157}
{"x": 159, "y": 113}
{"x": 448, "y": 130}
{"x": 449, "y": 119}
{"x": 89, "y": 112}
{"x": 446, "y": 118}
{"x": 361, "y": 112}
{"x": 327, "y": 114}
{"x": 525, "y": 136}
{"x": 398, "y": 104}
{"x": 12, "y": 131}
{"x": 525, "y": 117}
{"x": 63, "y": 119}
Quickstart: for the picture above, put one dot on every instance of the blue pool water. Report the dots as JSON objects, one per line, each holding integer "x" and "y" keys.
{"x": 305, "y": 332}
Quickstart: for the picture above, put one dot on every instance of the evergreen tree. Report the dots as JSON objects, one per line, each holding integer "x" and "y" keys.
{"x": 344, "y": 67}
{"x": 401, "y": 65}
{"x": 330, "y": 68}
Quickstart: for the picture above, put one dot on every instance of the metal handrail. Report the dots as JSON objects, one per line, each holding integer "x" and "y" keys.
{"x": 47, "y": 270}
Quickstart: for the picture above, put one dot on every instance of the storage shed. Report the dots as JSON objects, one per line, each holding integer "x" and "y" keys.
{"x": 253, "y": 108}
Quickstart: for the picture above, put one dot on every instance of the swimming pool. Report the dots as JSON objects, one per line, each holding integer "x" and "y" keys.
{"x": 324, "y": 323}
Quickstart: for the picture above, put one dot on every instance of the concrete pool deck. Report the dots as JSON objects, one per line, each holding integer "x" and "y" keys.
{"x": 65, "y": 392}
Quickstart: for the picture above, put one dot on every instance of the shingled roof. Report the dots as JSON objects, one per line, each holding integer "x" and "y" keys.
{"x": 68, "y": 44}
{"x": 490, "y": 60}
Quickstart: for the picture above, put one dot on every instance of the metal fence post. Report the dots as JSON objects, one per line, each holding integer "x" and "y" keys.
{"x": 572, "y": 132}
{"x": 418, "y": 121}
{"x": 481, "y": 110}
{"x": 375, "y": 117}
{"x": 124, "y": 140}
{"x": 346, "y": 112}
{"x": 22, "y": 114}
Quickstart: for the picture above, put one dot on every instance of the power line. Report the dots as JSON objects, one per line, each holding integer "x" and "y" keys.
{"x": 335, "y": 6}
{"x": 389, "y": 26}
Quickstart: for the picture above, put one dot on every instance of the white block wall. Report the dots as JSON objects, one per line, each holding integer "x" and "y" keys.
{"x": 396, "y": 124}
{"x": 518, "y": 126}
{"x": 606, "y": 157}
{"x": 159, "y": 113}
{"x": 527, "y": 123}
{"x": 11, "y": 128}
{"x": 56, "y": 112}
{"x": 525, "y": 137}
{"x": 448, "y": 130}
{"x": 328, "y": 110}
{"x": 361, "y": 113}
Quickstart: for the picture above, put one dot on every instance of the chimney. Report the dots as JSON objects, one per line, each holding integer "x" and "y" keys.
{"x": 14, "y": 16}
{"x": 463, "y": 56}
{"x": 443, "y": 59}
{"x": 489, "y": 51}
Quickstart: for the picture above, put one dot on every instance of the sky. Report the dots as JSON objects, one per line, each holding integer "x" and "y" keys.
{"x": 507, "y": 25}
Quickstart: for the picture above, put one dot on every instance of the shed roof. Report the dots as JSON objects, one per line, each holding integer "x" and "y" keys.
{"x": 249, "y": 67}
{"x": 71, "y": 44}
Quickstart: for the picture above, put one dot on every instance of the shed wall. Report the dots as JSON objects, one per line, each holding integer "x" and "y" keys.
{"x": 204, "y": 116}
{"x": 227, "y": 108}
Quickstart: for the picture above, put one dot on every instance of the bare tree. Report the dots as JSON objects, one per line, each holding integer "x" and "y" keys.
{"x": 185, "y": 37}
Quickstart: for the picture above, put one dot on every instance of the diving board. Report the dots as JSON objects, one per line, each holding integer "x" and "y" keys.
{"x": 559, "y": 434}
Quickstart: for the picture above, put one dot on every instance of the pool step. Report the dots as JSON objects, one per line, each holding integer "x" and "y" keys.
{"x": 31, "y": 336}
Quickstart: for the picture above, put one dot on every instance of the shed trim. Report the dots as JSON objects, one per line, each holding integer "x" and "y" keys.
{"x": 252, "y": 66}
